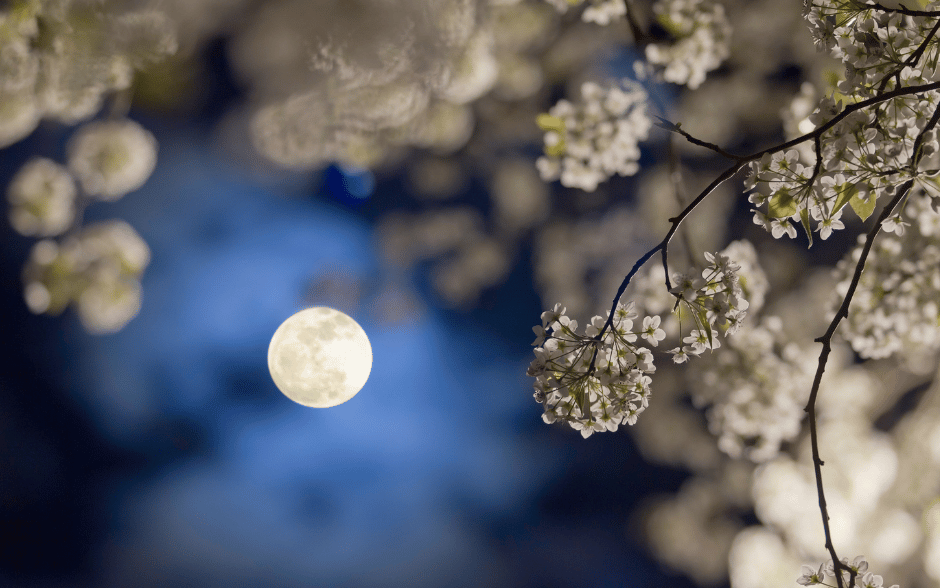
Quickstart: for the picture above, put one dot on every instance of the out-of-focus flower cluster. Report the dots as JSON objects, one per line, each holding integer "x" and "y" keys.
{"x": 755, "y": 389}
{"x": 378, "y": 75}
{"x": 98, "y": 270}
{"x": 601, "y": 12}
{"x": 96, "y": 267}
{"x": 470, "y": 259}
{"x": 588, "y": 142}
{"x": 896, "y": 307}
{"x": 59, "y": 59}
{"x": 702, "y": 39}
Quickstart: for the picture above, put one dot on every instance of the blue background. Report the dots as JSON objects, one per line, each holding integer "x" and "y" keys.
{"x": 164, "y": 455}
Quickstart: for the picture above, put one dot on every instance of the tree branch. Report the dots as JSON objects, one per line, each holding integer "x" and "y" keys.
{"x": 674, "y": 128}
{"x": 826, "y": 341}
{"x": 902, "y": 10}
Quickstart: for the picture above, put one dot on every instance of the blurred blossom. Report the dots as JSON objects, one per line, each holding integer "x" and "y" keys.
{"x": 98, "y": 269}
{"x": 589, "y": 141}
{"x": 932, "y": 550}
{"x": 474, "y": 72}
{"x": 444, "y": 127}
{"x": 406, "y": 239}
{"x": 690, "y": 532}
{"x": 521, "y": 199}
{"x": 59, "y": 59}
{"x": 601, "y": 12}
{"x": 436, "y": 178}
{"x": 112, "y": 158}
{"x": 467, "y": 260}
{"x": 378, "y": 73}
{"x": 518, "y": 26}
{"x": 19, "y": 115}
{"x": 108, "y": 302}
{"x": 796, "y": 119}
{"x": 673, "y": 433}
{"x": 582, "y": 262}
{"x": 754, "y": 387}
{"x": 519, "y": 77}
{"x": 759, "y": 559}
{"x": 42, "y": 199}
{"x": 476, "y": 266}
{"x": 702, "y": 39}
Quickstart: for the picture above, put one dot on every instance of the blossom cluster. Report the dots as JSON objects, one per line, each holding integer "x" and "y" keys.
{"x": 588, "y": 142}
{"x": 702, "y": 42}
{"x": 97, "y": 267}
{"x": 869, "y": 152}
{"x": 881, "y": 50}
{"x": 598, "y": 380}
{"x": 367, "y": 81}
{"x": 897, "y": 304}
{"x": 863, "y": 578}
{"x": 601, "y": 12}
{"x": 98, "y": 270}
{"x": 59, "y": 59}
{"x": 754, "y": 386}
{"x": 755, "y": 390}
{"x": 713, "y": 300}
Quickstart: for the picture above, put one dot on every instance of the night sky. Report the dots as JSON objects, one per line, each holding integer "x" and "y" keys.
{"x": 164, "y": 455}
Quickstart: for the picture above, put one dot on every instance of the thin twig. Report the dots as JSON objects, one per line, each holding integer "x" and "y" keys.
{"x": 674, "y": 128}
{"x": 640, "y": 37}
{"x": 912, "y": 59}
{"x": 663, "y": 245}
{"x": 902, "y": 10}
{"x": 675, "y": 176}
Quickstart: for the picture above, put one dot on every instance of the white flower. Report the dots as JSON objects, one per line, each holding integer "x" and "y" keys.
{"x": 679, "y": 355}
{"x": 870, "y": 580}
{"x": 827, "y": 225}
{"x": 894, "y": 224}
{"x": 651, "y": 330}
{"x": 781, "y": 226}
{"x": 811, "y": 576}
{"x": 112, "y": 158}
{"x": 42, "y": 199}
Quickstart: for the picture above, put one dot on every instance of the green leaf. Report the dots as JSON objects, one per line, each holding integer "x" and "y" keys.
{"x": 862, "y": 209}
{"x": 781, "y": 205}
{"x": 848, "y": 191}
{"x": 804, "y": 218}
{"x": 548, "y": 122}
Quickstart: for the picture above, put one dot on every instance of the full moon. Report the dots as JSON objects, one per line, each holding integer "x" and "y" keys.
{"x": 319, "y": 357}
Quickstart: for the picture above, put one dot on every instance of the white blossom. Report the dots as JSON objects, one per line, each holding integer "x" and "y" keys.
{"x": 112, "y": 158}
{"x": 588, "y": 142}
{"x": 702, "y": 40}
{"x": 42, "y": 198}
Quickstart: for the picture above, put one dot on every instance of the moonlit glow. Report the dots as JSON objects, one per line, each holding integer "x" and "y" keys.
{"x": 320, "y": 357}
